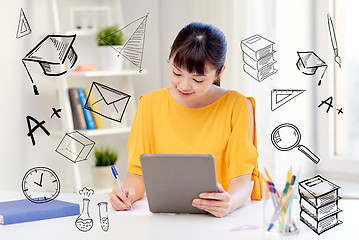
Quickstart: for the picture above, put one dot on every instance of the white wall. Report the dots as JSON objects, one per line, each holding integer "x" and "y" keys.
{"x": 17, "y": 99}
{"x": 288, "y": 24}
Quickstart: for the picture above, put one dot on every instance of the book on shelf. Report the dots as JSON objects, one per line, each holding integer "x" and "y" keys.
{"x": 97, "y": 118}
{"x": 19, "y": 211}
{"x": 76, "y": 109}
{"x": 90, "y": 123}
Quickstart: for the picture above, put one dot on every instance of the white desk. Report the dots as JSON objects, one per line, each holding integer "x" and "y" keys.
{"x": 140, "y": 223}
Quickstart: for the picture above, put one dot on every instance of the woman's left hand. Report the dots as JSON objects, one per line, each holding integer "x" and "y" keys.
{"x": 218, "y": 204}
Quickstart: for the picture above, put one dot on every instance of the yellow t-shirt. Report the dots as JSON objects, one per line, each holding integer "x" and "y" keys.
{"x": 222, "y": 128}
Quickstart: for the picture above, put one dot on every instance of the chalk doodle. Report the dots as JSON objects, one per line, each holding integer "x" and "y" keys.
{"x": 309, "y": 62}
{"x": 75, "y": 146}
{"x": 107, "y": 102}
{"x": 55, "y": 55}
{"x": 33, "y": 129}
{"x": 279, "y": 97}
{"x": 40, "y": 185}
{"x": 86, "y": 192}
{"x": 56, "y": 112}
{"x": 333, "y": 39}
{"x": 84, "y": 221}
{"x": 287, "y": 136}
{"x": 258, "y": 57}
{"x": 103, "y": 214}
{"x": 133, "y": 48}
{"x": 329, "y": 103}
{"x": 23, "y": 28}
{"x": 319, "y": 204}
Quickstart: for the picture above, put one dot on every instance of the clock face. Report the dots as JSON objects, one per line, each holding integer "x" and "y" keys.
{"x": 40, "y": 185}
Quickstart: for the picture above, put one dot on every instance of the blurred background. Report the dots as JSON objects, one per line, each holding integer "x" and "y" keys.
{"x": 330, "y": 132}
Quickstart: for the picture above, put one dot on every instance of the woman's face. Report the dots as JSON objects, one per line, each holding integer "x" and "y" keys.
{"x": 190, "y": 86}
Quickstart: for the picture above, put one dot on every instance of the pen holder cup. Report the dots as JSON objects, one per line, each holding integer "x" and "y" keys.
{"x": 278, "y": 215}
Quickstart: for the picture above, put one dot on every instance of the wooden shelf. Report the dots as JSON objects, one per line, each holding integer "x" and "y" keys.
{"x": 100, "y": 132}
{"x": 99, "y": 73}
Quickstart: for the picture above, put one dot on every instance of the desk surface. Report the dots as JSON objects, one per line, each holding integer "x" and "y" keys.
{"x": 140, "y": 223}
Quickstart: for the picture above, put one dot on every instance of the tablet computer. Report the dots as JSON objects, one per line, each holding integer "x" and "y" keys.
{"x": 172, "y": 181}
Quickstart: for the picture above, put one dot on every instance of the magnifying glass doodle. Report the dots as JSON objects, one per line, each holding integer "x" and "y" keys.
{"x": 286, "y": 136}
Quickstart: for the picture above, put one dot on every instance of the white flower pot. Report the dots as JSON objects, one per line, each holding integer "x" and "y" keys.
{"x": 103, "y": 177}
{"x": 109, "y": 58}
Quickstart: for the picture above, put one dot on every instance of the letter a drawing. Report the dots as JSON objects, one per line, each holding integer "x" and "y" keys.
{"x": 32, "y": 130}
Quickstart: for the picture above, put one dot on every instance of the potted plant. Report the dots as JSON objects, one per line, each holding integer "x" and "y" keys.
{"x": 110, "y": 40}
{"x": 105, "y": 157}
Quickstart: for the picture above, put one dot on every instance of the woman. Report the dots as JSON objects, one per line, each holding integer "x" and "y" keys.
{"x": 196, "y": 115}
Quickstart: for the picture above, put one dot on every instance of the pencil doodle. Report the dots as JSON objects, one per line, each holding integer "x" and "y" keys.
{"x": 279, "y": 97}
{"x": 103, "y": 214}
{"x": 84, "y": 221}
{"x": 56, "y": 112}
{"x": 86, "y": 192}
{"x": 258, "y": 57}
{"x": 40, "y": 185}
{"x": 75, "y": 146}
{"x": 33, "y": 129}
{"x": 333, "y": 39}
{"x": 23, "y": 28}
{"x": 319, "y": 204}
{"x": 309, "y": 62}
{"x": 133, "y": 48}
{"x": 107, "y": 102}
{"x": 55, "y": 55}
{"x": 287, "y": 136}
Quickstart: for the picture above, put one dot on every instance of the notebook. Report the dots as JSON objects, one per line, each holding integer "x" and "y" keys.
{"x": 172, "y": 181}
{"x": 25, "y": 211}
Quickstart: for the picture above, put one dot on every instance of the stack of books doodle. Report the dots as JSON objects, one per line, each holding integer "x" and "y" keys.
{"x": 258, "y": 57}
{"x": 319, "y": 204}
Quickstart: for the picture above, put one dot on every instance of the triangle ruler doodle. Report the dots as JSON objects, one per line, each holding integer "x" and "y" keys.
{"x": 23, "y": 28}
{"x": 132, "y": 50}
{"x": 282, "y": 96}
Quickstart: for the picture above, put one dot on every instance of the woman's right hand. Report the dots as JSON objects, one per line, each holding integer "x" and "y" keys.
{"x": 121, "y": 201}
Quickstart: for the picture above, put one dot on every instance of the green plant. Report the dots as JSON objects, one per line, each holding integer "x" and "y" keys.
{"x": 110, "y": 36}
{"x": 105, "y": 156}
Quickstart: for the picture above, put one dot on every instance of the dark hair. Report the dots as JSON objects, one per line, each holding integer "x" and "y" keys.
{"x": 198, "y": 44}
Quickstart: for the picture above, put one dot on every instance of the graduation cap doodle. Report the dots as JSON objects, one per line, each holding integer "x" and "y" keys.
{"x": 309, "y": 62}
{"x": 55, "y": 55}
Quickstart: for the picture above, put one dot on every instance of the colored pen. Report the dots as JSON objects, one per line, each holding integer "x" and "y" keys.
{"x": 115, "y": 174}
{"x": 270, "y": 179}
{"x": 283, "y": 204}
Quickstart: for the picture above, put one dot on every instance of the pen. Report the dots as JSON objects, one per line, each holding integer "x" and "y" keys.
{"x": 270, "y": 179}
{"x": 115, "y": 174}
{"x": 281, "y": 207}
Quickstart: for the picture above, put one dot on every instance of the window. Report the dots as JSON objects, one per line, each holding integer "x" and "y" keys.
{"x": 340, "y": 128}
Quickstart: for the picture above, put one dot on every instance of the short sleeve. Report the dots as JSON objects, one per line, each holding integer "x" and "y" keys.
{"x": 241, "y": 156}
{"x": 242, "y": 152}
{"x": 138, "y": 141}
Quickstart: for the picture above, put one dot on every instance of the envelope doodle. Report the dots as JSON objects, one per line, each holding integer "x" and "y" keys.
{"x": 107, "y": 102}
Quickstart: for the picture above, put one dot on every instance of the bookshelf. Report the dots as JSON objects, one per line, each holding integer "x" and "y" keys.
{"x": 82, "y": 79}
